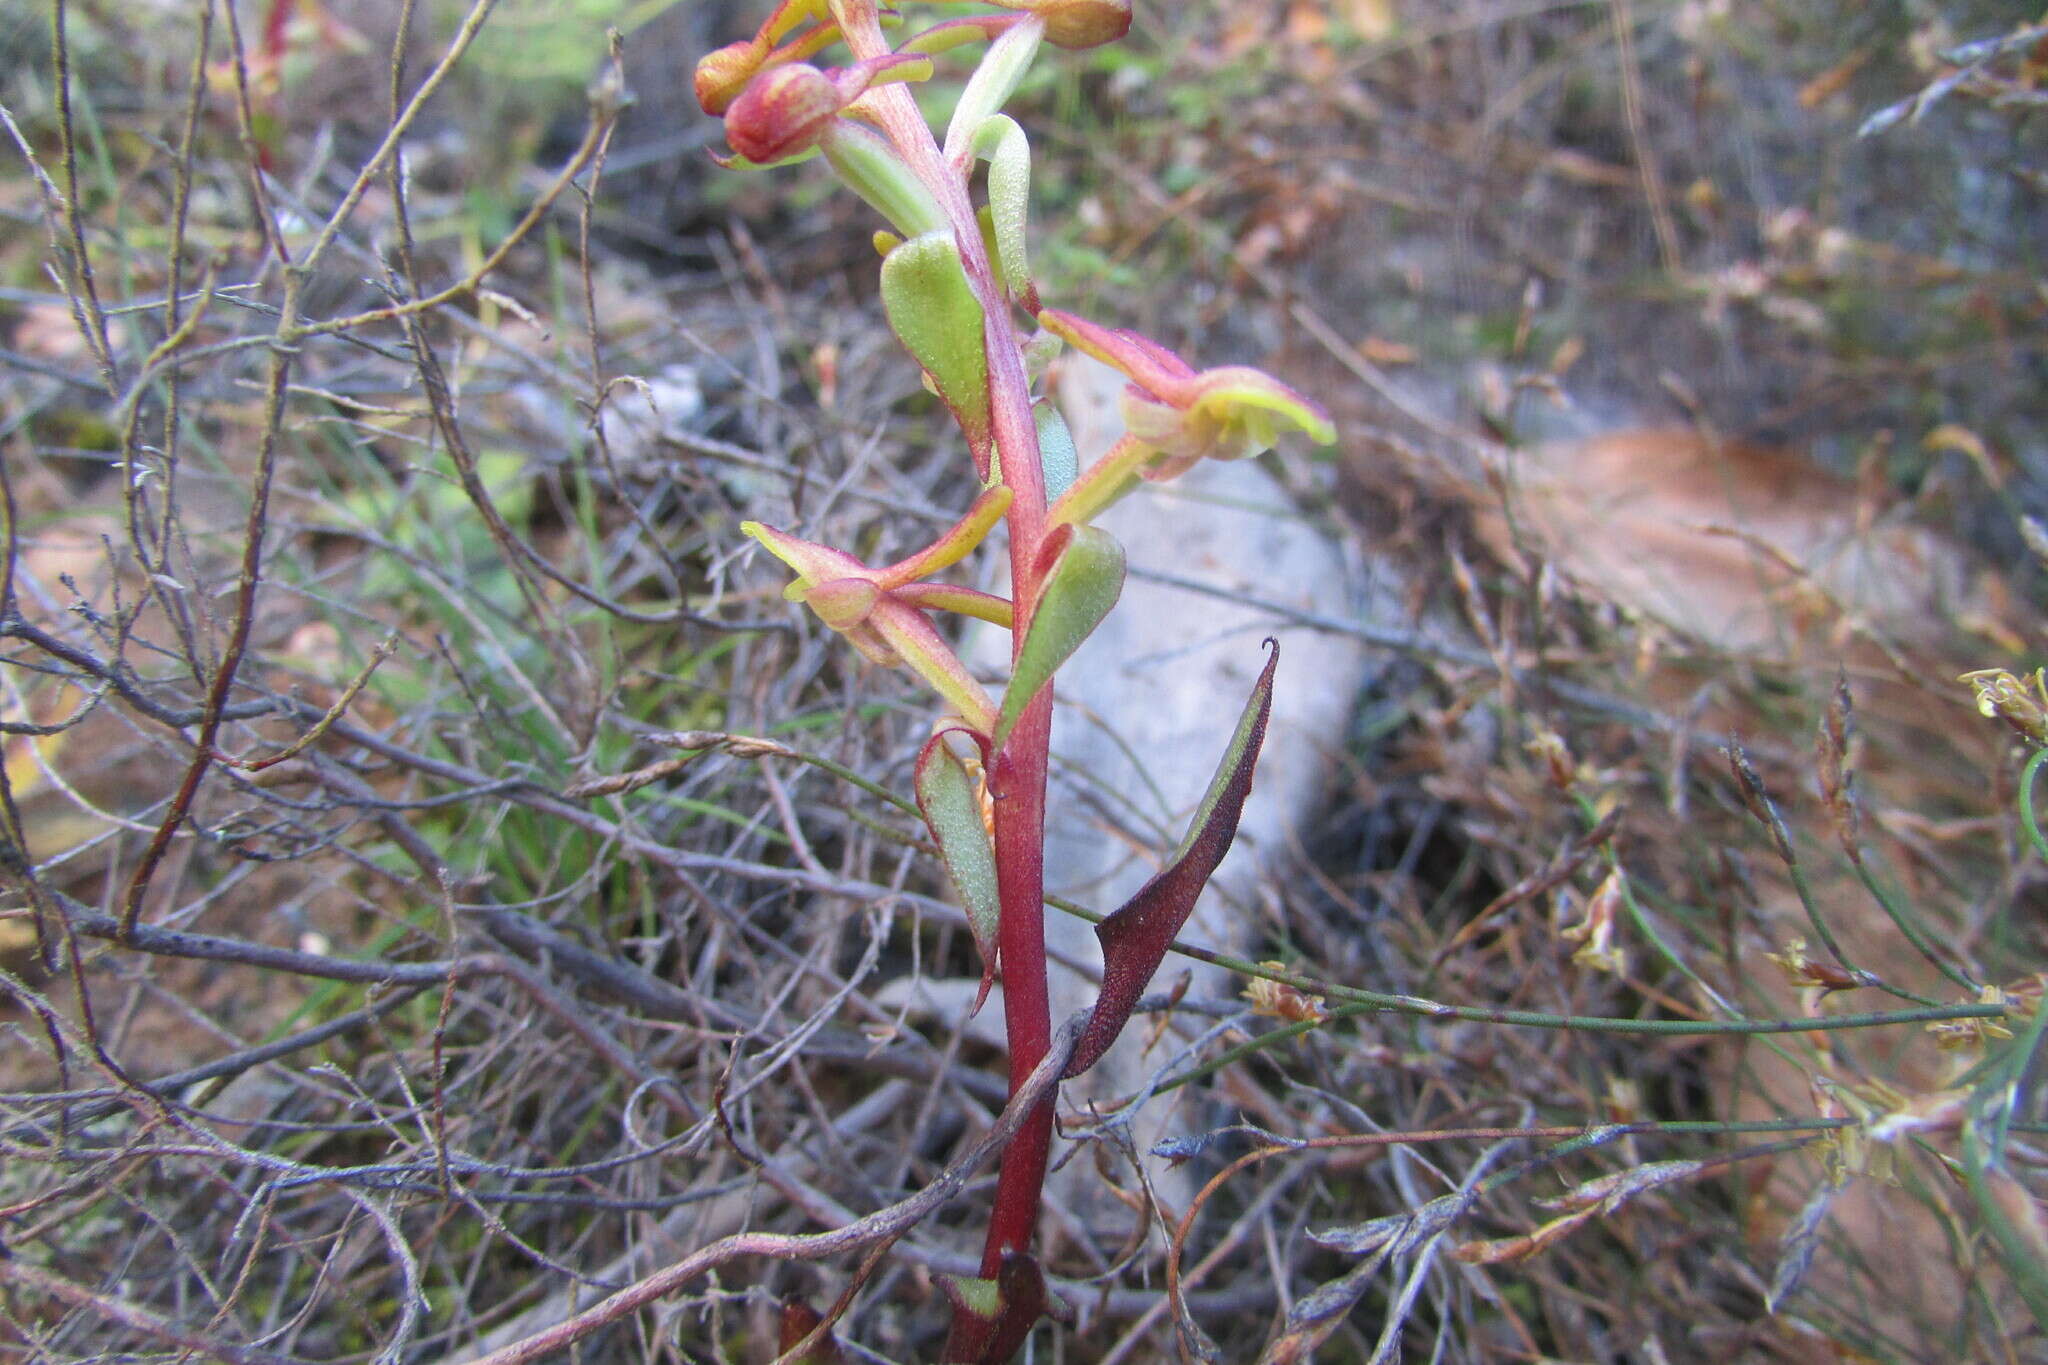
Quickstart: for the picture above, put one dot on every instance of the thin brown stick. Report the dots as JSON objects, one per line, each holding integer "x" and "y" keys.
{"x": 593, "y": 138}
{"x": 151, "y": 557}
{"x": 131, "y": 1316}
{"x": 373, "y": 166}
{"x": 85, "y": 297}
{"x": 321, "y": 726}
{"x": 1647, "y": 165}
{"x": 883, "y": 1224}
{"x": 238, "y": 639}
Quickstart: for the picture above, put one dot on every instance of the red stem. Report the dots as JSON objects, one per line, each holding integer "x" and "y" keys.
{"x": 1027, "y": 1012}
{"x": 1021, "y": 768}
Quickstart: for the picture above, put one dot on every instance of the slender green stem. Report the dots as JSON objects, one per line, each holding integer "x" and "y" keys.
{"x": 1376, "y": 1002}
{"x": 1813, "y": 917}
{"x": 2027, "y": 819}
{"x": 2021, "y": 1257}
{"x": 1908, "y": 924}
{"x": 1766, "y": 810}
{"x": 747, "y": 746}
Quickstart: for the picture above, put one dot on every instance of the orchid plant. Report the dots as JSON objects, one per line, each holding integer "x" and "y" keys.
{"x": 957, "y": 288}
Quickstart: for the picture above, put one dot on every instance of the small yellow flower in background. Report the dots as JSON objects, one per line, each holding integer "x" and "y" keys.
{"x": 1277, "y": 1000}
{"x": 1549, "y": 746}
{"x": 2021, "y": 703}
{"x": 1849, "y": 1151}
{"x": 1953, "y": 1034}
{"x": 1807, "y": 974}
{"x": 1623, "y": 1100}
{"x": 1595, "y": 933}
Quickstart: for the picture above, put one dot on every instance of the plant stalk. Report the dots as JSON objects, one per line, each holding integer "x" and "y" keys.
{"x": 1027, "y": 1011}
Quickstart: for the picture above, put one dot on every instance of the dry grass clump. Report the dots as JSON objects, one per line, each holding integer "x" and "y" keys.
{"x": 445, "y": 887}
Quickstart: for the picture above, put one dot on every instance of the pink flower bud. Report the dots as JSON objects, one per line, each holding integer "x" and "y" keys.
{"x": 721, "y": 75}
{"x": 782, "y": 112}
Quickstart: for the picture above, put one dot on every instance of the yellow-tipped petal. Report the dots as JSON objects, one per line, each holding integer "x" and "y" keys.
{"x": 956, "y": 544}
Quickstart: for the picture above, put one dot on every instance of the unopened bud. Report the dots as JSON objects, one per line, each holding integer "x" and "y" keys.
{"x": 781, "y": 113}
{"x": 723, "y": 74}
{"x": 1075, "y": 24}
{"x": 1549, "y": 746}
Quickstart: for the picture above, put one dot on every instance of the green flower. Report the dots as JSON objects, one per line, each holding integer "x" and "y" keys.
{"x": 881, "y": 612}
{"x": 1187, "y": 415}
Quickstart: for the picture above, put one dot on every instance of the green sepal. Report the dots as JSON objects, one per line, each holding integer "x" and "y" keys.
{"x": 871, "y": 169}
{"x": 1081, "y": 570}
{"x": 994, "y": 80}
{"x": 972, "y": 1295}
{"x": 814, "y": 563}
{"x": 1056, "y": 453}
{"x": 951, "y": 804}
{"x": 1002, "y": 143}
{"x": 936, "y": 315}
{"x": 956, "y": 544}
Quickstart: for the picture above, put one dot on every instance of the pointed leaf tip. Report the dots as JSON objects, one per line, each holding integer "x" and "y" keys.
{"x": 938, "y": 318}
{"x": 1082, "y": 572}
{"x": 950, "y": 799}
{"x": 799, "y": 1320}
{"x": 1135, "y": 939}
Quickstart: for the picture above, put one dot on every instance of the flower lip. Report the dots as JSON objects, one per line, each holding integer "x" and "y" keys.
{"x": 1225, "y": 413}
